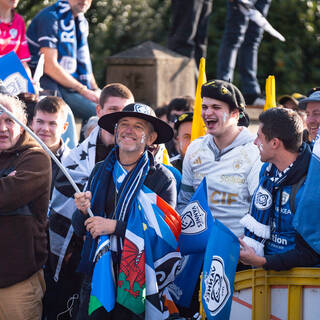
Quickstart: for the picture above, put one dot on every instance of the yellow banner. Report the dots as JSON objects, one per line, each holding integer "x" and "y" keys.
{"x": 198, "y": 126}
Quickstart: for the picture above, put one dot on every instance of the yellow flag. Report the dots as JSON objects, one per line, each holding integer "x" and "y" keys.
{"x": 165, "y": 157}
{"x": 270, "y": 93}
{"x": 198, "y": 126}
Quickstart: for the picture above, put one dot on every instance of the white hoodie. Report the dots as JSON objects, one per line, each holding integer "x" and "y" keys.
{"x": 232, "y": 176}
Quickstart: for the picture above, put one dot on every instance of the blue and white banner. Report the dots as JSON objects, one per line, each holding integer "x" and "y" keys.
{"x": 184, "y": 284}
{"x": 14, "y": 75}
{"x": 196, "y": 222}
{"x": 219, "y": 268}
{"x": 307, "y": 218}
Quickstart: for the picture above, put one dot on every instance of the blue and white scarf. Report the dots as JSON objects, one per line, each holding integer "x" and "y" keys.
{"x": 149, "y": 231}
{"x": 73, "y": 49}
{"x": 257, "y": 222}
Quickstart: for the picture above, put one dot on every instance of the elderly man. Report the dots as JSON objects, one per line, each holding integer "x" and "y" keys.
{"x": 25, "y": 177}
{"x": 312, "y": 107}
{"x": 60, "y": 32}
{"x": 130, "y": 176}
{"x": 270, "y": 239}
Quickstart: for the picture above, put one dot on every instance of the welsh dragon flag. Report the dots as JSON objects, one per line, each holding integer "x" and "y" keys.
{"x": 148, "y": 263}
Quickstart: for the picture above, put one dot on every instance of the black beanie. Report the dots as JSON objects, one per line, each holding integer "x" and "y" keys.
{"x": 224, "y": 91}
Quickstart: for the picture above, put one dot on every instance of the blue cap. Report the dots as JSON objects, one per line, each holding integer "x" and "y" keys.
{"x": 314, "y": 97}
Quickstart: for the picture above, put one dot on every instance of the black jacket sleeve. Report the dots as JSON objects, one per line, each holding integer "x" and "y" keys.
{"x": 301, "y": 256}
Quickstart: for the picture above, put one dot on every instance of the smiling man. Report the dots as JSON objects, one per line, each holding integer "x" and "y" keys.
{"x": 118, "y": 185}
{"x": 312, "y": 107}
{"x": 25, "y": 178}
{"x": 226, "y": 156}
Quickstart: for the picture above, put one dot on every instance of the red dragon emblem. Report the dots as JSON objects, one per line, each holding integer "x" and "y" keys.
{"x": 133, "y": 266}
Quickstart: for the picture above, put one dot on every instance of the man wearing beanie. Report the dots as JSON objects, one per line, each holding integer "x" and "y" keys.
{"x": 226, "y": 156}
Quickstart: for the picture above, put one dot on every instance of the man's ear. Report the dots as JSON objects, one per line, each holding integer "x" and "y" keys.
{"x": 152, "y": 138}
{"x": 276, "y": 143}
{"x": 98, "y": 110}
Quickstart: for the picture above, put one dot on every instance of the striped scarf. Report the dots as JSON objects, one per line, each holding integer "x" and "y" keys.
{"x": 73, "y": 49}
{"x": 127, "y": 194}
{"x": 257, "y": 222}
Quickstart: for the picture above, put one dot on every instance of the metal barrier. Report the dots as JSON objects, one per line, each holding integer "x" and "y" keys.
{"x": 286, "y": 295}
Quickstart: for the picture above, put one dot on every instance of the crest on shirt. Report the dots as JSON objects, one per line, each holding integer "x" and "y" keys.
{"x": 263, "y": 199}
{"x": 237, "y": 164}
{"x": 13, "y": 33}
{"x": 217, "y": 287}
{"x": 285, "y": 197}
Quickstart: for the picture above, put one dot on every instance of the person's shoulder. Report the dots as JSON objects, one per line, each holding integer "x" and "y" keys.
{"x": 199, "y": 143}
{"x": 17, "y": 20}
{"x": 46, "y": 15}
{"x": 160, "y": 170}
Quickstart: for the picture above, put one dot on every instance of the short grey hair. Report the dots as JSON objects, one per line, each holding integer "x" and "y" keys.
{"x": 15, "y": 104}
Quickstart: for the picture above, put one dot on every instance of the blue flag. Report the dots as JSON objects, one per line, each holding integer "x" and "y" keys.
{"x": 307, "y": 218}
{"x": 102, "y": 286}
{"x": 196, "y": 222}
{"x": 186, "y": 279}
{"x": 219, "y": 268}
{"x": 14, "y": 75}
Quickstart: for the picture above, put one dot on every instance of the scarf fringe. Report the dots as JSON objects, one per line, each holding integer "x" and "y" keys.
{"x": 258, "y": 228}
{"x": 256, "y": 245}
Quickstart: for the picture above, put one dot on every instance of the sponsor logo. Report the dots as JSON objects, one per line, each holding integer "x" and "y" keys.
{"x": 263, "y": 199}
{"x": 142, "y": 108}
{"x": 285, "y": 198}
{"x": 232, "y": 179}
{"x": 193, "y": 219}
{"x": 13, "y": 33}
{"x": 217, "y": 287}
{"x": 197, "y": 161}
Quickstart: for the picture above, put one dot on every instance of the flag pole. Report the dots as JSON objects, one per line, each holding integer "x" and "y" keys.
{"x": 44, "y": 146}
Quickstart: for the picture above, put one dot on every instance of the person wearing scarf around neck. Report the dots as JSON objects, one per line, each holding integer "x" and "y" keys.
{"x": 270, "y": 239}
{"x": 60, "y": 32}
{"x": 115, "y": 187}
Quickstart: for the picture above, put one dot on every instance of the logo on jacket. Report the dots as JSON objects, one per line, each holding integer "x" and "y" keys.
{"x": 217, "y": 287}
{"x": 193, "y": 219}
{"x": 263, "y": 199}
{"x": 285, "y": 197}
{"x": 13, "y": 33}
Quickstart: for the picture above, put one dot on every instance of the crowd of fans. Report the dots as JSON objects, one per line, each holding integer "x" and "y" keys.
{"x": 126, "y": 156}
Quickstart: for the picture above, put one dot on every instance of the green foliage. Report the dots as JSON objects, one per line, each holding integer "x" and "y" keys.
{"x": 116, "y": 25}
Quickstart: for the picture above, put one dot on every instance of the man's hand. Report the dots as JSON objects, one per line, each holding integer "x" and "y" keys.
{"x": 92, "y": 95}
{"x": 249, "y": 256}
{"x": 98, "y": 226}
{"x": 83, "y": 201}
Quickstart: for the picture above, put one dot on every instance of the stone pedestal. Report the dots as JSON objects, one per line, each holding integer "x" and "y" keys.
{"x": 153, "y": 73}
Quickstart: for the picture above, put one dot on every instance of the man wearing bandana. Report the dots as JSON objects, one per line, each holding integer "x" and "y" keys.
{"x": 60, "y": 32}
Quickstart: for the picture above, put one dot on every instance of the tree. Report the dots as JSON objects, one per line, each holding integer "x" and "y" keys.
{"x": 116, "y": 25}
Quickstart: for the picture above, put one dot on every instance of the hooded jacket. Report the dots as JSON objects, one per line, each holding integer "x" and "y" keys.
{"x": 24, "y": 199}
{"x": 232, "y": 177}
